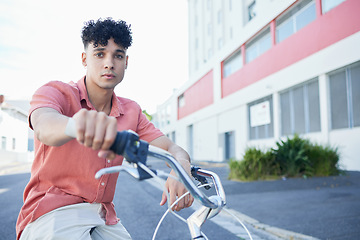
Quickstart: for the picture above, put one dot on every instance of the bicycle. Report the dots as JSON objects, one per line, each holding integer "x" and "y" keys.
{"x": 137, "y": 152}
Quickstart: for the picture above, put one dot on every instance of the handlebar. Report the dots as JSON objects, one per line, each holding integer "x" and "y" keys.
{"x": 128, "y": 144}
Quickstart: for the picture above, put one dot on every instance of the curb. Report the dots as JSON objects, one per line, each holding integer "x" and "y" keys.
{"x": 210, "y": 164}
{"x": 278, "y": 232}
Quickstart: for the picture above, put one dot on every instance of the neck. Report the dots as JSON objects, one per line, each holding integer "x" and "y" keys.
{"x": 100, "y": 98}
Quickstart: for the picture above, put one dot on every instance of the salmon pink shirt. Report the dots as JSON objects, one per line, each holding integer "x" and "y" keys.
{"x": 64, "y": 175}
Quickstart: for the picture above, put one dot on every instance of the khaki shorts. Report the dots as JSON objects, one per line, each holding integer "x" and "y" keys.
{"x": 74, "y": 222}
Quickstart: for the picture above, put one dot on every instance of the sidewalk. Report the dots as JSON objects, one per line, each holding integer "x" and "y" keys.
{"x": 14, "y": 167}
{"x": 313, "y": 208}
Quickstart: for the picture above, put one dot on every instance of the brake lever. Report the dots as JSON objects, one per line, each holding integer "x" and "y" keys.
{"x": 199, "y": 178}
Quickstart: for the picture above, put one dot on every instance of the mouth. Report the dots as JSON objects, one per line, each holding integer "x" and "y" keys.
{"x": 108, "y": 75}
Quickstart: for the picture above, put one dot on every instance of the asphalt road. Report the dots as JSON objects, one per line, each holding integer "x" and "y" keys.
{"x": 321, "y": 207}
{"x": 11, "y": 189}
{"x": 324, "y": 208}
{"x": 137, "y": 204}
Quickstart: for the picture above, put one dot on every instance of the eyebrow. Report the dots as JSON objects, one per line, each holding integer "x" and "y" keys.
{"x": 102, "y": 49}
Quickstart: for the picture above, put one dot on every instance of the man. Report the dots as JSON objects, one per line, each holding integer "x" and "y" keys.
{"x": 63, "y": 200}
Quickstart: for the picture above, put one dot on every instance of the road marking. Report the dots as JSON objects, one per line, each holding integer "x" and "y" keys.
{"x": 2, "y": 190}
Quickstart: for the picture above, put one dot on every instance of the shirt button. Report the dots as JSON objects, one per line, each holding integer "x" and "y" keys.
{"x": 108, "y": 161}
{"x": 102, "y": 184}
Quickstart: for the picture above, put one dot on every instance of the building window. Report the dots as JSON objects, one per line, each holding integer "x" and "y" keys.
{"x": 173, "y": 136}
{"x": 292, "y": 21}
{"x": 208, "y": 5}
{"x": 232, "y": 64}
{"x": 261, "y": 119}
{"x": 300, "y": 109}
{"x": 252, "y": 10}
{"x": 229, "y": 145}
{"x": 3, "y": 143}
{"x": 190, "y": 140}
{"x": 344, "y": 86}
{"x": 30, "y": 145}
{"x": 327, "y": 5}
{"x": 181, "y": 101}
{"x": 210, "y": 53}
{"x": 209, "y": 29}
{"x": 219, "y": 17}
{"x": 13, "y": 144}
{"x": 220, "y": 43}
{"x": 260, "y": 44}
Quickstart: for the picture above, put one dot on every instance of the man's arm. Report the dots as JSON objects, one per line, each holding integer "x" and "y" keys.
{"x": 49, "y": 126}
{"x": 94, "y": 129}
{"x": 174, "y": 187}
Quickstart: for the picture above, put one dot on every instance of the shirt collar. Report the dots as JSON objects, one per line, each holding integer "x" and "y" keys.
{"x": 116, "y": 109}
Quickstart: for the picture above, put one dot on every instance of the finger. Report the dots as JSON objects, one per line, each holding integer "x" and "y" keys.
{"x": 99, "y": 131}
{"x": 163, "y": 199}
{"x": 110, "y": 134}
{"x": 191, "y": 200}
{"x": 107, "y": 154}
{"x": 90, "y": 128}
{"x": 172, "y": 199}
{"x": 181, "y": 203}
{"x": 79, "y": 118}
{"x": 111, "y": 155}
{"x": 187, "y": 200}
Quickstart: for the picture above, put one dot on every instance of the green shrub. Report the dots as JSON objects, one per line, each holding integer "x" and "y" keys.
{"x": 255, "y": 165}
{"x": 293, "y": 157}
{"x": 324, "y": 160}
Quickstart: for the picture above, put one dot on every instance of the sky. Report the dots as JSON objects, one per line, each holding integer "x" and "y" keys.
{"x": 40, "y": 41}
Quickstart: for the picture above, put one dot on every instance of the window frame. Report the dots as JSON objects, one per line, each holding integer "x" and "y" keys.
{"x": 230, "y": 62}
{"x": 306, "y": 108}
{"x": 291, "y": 16}
{"x": 267, "y": 128}
{"x": 255, "y": 43}
{"x": 351, "y": 122}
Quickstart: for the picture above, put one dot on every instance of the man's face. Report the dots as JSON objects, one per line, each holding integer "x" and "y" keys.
{"x": 105, "y": 64}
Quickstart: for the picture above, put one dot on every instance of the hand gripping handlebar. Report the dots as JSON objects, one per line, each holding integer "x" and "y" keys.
{"x": 128, "y": 144}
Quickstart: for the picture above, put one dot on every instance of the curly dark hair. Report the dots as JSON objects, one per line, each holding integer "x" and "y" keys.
{"x": 99, "y": 32}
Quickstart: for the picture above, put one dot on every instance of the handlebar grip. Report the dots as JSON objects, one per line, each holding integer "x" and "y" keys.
{"x": 119, "y": 144}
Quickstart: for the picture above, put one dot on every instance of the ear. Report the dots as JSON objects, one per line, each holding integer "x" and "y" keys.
{"x": 83, "y": 59}
{"x": 126, "y": 63}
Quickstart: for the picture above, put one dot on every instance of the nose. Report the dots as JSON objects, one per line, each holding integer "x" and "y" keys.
{"x": 109, "y": 64}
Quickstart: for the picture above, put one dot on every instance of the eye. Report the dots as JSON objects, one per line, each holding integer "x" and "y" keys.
{"x": 99, "y": 54}
{"x": 119, "y": 56}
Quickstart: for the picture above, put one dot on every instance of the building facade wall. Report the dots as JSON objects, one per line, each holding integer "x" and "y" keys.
{"x": 305, "y": 62}
{"x": 13, "y": 137}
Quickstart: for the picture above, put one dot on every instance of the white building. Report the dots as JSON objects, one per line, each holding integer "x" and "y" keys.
{"x": 261, "y": 70}
{"x": 15, "y": 136}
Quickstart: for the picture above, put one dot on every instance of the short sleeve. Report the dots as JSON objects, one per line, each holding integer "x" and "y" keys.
{"x": 146, "y": 129}
{"x": 52, "y": 95}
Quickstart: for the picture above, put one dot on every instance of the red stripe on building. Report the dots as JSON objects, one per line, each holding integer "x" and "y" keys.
{"x": 198, "y": 96}
{"x": 327, "y": 29}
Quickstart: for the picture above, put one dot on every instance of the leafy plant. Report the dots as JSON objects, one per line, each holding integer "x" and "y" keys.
{"x": 255, "y": 165}
{"x": 292, "y": 157}
{"x": 324, "y": 160}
